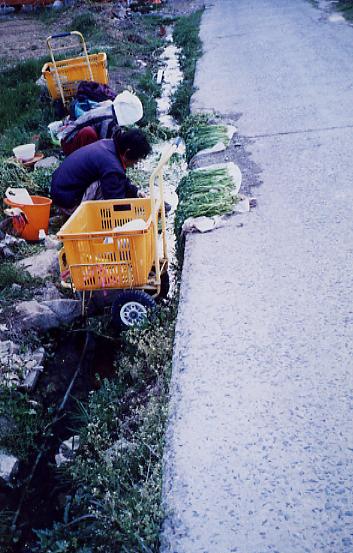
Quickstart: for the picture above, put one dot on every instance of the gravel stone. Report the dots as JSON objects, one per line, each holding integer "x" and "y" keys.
{"x": 8, "y": 467}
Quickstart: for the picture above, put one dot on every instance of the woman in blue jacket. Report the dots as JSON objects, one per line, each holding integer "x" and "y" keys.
{"x": 98, "y": 171}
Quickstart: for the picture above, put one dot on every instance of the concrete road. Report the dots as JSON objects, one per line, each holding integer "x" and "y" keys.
{"x": 259, "y": 453}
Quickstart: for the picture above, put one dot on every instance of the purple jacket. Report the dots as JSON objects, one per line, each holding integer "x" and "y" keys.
{"x": 96, "y": 162}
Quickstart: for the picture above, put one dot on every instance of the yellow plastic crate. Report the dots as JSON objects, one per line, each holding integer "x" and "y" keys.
{"x": 72, "y": 71}
{"x": 100, "y": 258}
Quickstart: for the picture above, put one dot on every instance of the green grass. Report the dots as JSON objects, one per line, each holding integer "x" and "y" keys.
{"x": 186, "y": 37}
{"x": 84, "y": 22}
{"x": 28, "y": 421}
{"x": 10, "y": 274}
{"x": 87, "y": 24}
{"x": 148, "y": 90}
{"x": 22, "y": 115}
{"x": 346, "y": 7}
{"x": 142, "y": 44}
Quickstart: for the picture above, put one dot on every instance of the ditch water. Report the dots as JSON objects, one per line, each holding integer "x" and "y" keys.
{"x": 38, "y": 499}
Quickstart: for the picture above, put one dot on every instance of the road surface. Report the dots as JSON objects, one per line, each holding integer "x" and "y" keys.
{"x": 259, "y": 454}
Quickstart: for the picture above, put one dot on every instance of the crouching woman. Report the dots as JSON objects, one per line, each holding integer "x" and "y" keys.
{"x": 98, "y": 171}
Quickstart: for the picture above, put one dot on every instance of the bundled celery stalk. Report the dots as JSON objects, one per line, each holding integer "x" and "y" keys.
{"x": 204, "y": 193}
{"x": 199, "y": 134}
{"x": 204, "y": 136}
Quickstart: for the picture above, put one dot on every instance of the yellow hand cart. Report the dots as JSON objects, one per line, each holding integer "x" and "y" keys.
{"x": 63, "y": 76}
{"x": 115, "y": 245}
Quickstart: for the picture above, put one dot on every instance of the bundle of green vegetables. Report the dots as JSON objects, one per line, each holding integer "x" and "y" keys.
{"x": 204, "y": 193}
{"x": 199, "y": 134}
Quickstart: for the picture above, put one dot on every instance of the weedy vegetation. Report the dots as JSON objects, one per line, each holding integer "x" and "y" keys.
{"x": 14, "y": 175}
{"x": 23, "y": 116}
{"x": 85, "y": 23}
{"x": 115, "y": 481}
{"x": 186, "y": 37}
{"x": 346, "y": 7}
{"x": 10, "y": 274}
{"x": 24, "y": 421}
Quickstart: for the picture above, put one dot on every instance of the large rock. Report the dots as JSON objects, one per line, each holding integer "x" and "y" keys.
{"x": 119, "y": 448}
{"x": 19, "y": 368}
{"x": 58, "y": 5}
{"x": 36, "y": 315}
{"x": 48, "y": 292}
{"x": 8, "y": 348}
{"x": 41, "y": 265}
{"x": 48, "y": 314}
{"x": 8, "y": 467}
{"x": 47, "y": 162}
{"x": 67, "y": 450}
{"x": 7, "y": 426}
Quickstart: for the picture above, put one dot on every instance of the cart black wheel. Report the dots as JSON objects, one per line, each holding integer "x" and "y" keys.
{"x": 165, "y": 285}
{"x": 132, "y": 308}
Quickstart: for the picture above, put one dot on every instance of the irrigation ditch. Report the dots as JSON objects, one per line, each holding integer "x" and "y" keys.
{"x": 89, "y": 436}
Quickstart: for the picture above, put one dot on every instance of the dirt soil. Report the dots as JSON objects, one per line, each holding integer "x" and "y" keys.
{"x": 26, "y": 33}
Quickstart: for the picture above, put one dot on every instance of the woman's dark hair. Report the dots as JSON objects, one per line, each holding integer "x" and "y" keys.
{"x": 132, "y": 143}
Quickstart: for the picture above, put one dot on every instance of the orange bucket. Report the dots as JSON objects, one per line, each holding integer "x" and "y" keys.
{"x": 37, "y": 217}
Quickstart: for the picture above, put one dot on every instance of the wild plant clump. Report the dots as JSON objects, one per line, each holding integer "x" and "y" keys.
{"x": 11, "y": 274}
{"x": 14, "y": 175}
{"x": 115, "y": 481}
{"x": 204, "y": 193}
{"x": 25, "y": 420}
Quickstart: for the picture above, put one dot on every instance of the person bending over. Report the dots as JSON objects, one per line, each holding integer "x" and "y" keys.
{"x": 101, "y": 122}
{"x": 98, "y": 171}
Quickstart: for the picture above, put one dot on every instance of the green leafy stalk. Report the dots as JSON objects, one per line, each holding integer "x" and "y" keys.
{"x": 204, "y": 193}
{"x": 199, "y": 134}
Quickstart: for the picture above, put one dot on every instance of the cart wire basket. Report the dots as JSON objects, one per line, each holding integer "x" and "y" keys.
{"x": 63, "y": 76}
